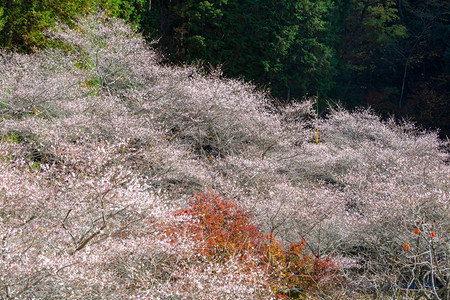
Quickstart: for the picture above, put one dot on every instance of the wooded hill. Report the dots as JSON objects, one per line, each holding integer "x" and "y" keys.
{"x": 124, "y": 178}
{"x": 390, "y": 55}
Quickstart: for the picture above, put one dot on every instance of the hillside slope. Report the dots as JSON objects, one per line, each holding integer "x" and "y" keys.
{"x": 101, "y": 146}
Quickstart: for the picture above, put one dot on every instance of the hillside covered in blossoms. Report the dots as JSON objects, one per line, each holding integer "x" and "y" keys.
{"x": 124, "y": 178}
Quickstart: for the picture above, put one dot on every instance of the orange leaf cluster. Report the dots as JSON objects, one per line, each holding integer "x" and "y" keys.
{"x": 222, "y": 230}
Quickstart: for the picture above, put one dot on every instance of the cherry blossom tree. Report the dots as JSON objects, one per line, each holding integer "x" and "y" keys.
{"x": 102, "y": 146}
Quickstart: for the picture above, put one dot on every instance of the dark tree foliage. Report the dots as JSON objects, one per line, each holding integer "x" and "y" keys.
{"x": 426, "y": 63}
{"x": 391, "y": 55}
{"x": 23, "y": 22}
{"x": 281, "y": 44}
{"x": 395, "y": 59}
{"x": 369, "y": 31}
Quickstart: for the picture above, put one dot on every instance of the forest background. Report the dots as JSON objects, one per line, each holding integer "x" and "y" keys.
{"x": 393, "y": 56}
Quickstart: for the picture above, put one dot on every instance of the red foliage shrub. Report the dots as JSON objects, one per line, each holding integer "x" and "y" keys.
{"x": 295, "y": 273}
{"x": 224, "y": 230}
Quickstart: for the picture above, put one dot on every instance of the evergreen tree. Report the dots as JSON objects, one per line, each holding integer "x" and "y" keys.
{"x": 25, "y": 21}
{"x": 279, "y": 44}
{"x": 2, "y": 18}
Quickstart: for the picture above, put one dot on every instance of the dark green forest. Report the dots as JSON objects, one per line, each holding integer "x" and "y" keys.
{"x": 393, "y": 56}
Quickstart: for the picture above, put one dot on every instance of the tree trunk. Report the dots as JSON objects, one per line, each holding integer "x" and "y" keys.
{"x": 403, "y": 85}
{"x": 9, "y": 30}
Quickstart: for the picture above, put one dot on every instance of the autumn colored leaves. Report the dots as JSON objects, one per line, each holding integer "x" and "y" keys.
{"x": 222, "y": 231}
